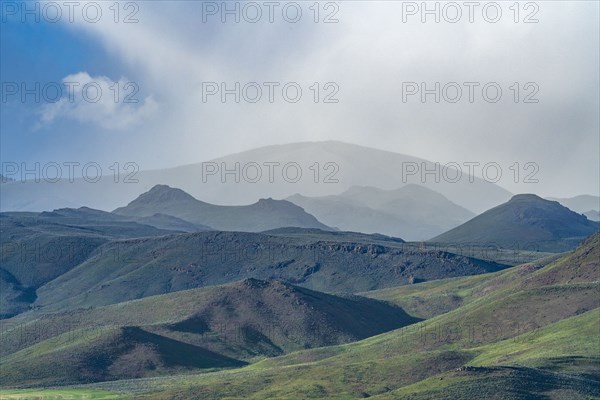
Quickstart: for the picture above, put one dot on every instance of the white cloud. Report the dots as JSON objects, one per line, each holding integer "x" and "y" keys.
{"x": 369, "y": 53}
{"x": 100, "y": 101}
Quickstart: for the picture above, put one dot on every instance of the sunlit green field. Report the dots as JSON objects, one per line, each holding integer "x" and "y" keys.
{"x": 61, "y": 394}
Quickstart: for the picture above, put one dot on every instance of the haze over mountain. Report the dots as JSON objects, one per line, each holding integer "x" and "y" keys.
{"x": 312, "y": 200}
{"x": 580, "y": 204}
{"x": 264, "y": 215}
{"x": 525, "y": 222}
{"x": 326, "y": 168}
{"x": 585, "y": 204}
{"x": 87, "y": 216}
{"x": 592, "y": 215}
{"x": 411, "y": 212}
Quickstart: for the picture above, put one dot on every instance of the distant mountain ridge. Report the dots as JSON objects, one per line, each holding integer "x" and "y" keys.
{"x": 327, "y": 168}
{"x": 526, "y": 222}
{"x": 263, "y": 215}
{"x": 160, "y": 221}
{"x": 412, "y": 212}
{"x": 580, "y": 204}
{"x": 592, "y": 215}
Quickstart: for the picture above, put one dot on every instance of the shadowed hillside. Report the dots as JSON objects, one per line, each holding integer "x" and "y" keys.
{"x": 212, "y": 327}
{"x": 526, "y": 337}
{"x": 328, "y": 262}
{"x": 36, "y": 248}
{"x": 526, "y": 220}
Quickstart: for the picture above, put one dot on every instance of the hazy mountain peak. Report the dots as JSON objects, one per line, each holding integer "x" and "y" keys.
{"x": 362, "y": 188}
{"x": 253, "y": 283}
{"x": 523, "y": 221}
{"x": 408, "y": 189}
{"x": 412, "y": 211}
{"x": 263, "y": 215}
{"x": 342, "y": 165}
{"x": 165, "y": 193}
{"x": 592, "y": 215}
{"x": 271, "y": 204}
{"x": 582, "y": 204}
{"x": 416, "y": 188}
{"x": 527, "y": 197}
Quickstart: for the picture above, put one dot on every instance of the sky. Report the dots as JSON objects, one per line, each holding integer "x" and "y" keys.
{"x": 161, "y": 82}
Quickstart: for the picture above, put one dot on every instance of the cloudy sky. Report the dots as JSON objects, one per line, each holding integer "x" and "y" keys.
{"x": 161, "y": 66}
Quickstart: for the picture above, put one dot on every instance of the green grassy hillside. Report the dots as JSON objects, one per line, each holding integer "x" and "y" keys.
{"x": 527, "y": 332}
{"x": 38, "y": 247}
{"x": 129, "y": 269}
{"x": 523, "y": 339}
{"x": 60, "y": 394}
{"x": 214, "y": 327}
{"x": 428, "y": 299}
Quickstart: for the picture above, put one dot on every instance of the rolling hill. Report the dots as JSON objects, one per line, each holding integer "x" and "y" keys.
{"x": 532, "y": 335}
{"x": 38, "y": 247}
{"x": 326, "y": 261}
{"x": 411, "y": 212}
{"x": 161, "y": 314}
{"x": 208, "y": 328}
{"x": 525, "y": 222}
{"x": 264, "y": 215}
{"x": 526, "y": 332}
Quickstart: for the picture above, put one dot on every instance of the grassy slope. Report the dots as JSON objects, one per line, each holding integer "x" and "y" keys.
{"x": 537, "y": 363}
{"x": 559, "y": 360}
{"x": 553, "y": 308}
{"x": 111, "y": 353}
{"x": 36, "y": 248}
{"x": 240, "y": 321}
{"x": 575, "y": 337}
{"x": 429, "y": 299}
{"x": 352, "y": 374}
{"x": 386, "y": 362}
{"x": 136, "y": 268}
{"x": 59, "y": 394}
